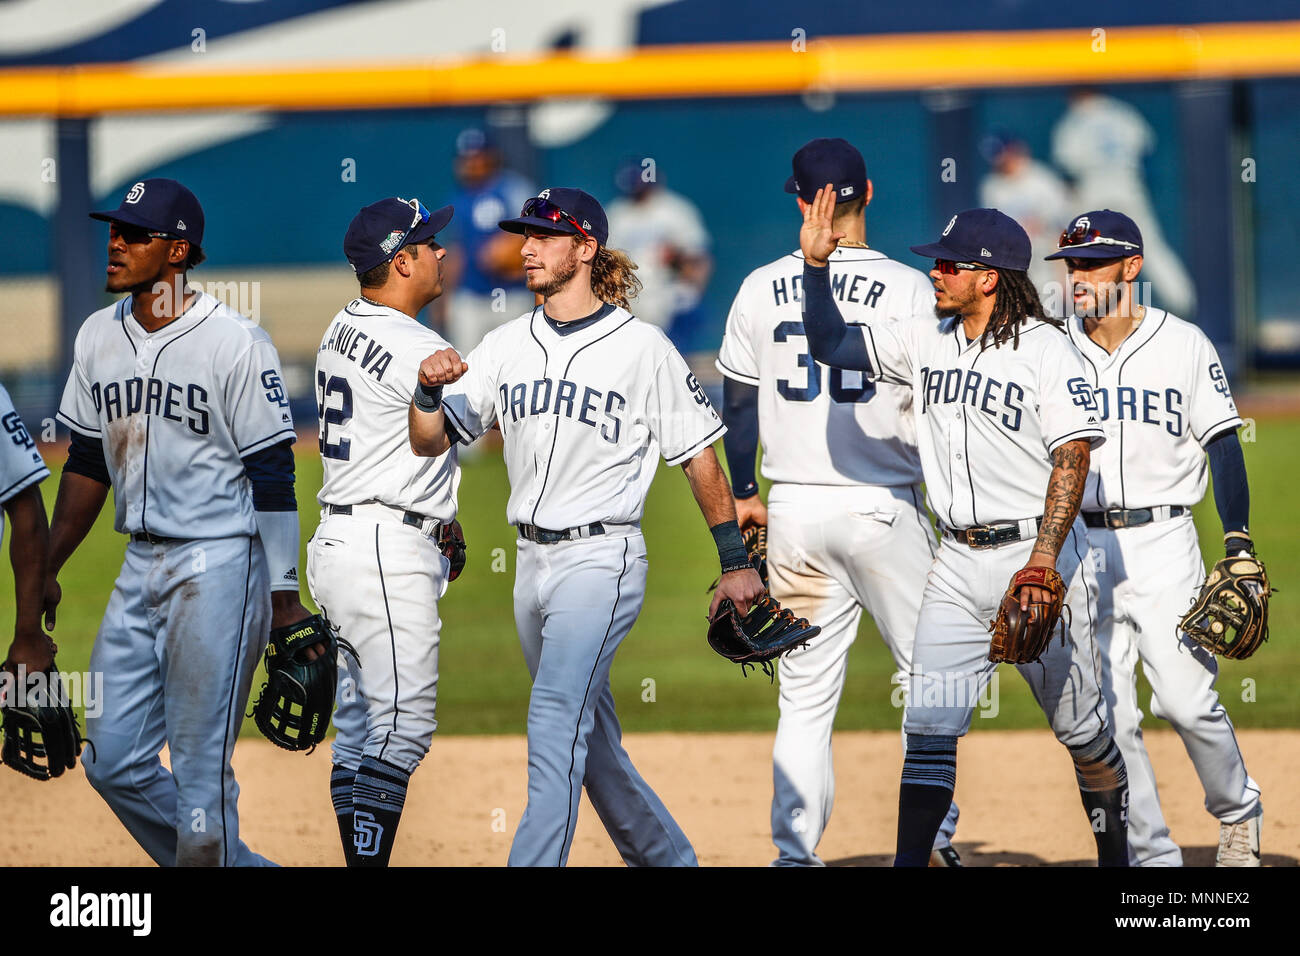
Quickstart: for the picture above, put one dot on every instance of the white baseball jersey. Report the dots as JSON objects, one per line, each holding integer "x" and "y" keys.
{"x": 585, "y": 410}
{"x": 988, "y": 419}
{"x": 21, "y": 465}
{"x": 1101, "y": 136}
{"x": 366, "y": 370}
{"x": 1162, "y": 396}
{"x": 176, "y": 410}
{"x": 820, "y": 425}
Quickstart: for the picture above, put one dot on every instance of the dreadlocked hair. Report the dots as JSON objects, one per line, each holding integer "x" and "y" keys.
{"x": 1015, "y": 300}
{"x": 612, "y": 278}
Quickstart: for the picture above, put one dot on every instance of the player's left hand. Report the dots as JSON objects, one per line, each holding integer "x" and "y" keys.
{"x": 818, "y": 238}
{"x": 1035, "y": 595}
{"x": 743, "y": 587}
{"x": 287, "y": 610}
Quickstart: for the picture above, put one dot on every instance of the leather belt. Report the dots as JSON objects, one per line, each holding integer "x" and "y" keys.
{"x": 411, "y": 518}
{"x": 1132, "y": 517}
{"x": 992, "y": 535}
{"x": 545, "y": 536}
{"x": 147, "y": 538}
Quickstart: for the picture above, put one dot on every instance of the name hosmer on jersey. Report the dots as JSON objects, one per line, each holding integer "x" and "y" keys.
{"x": 855, "y": 288}
{"x": 347, "y": 340}
{"x": 154, "y": 397}
{"x": 546, "y": 396}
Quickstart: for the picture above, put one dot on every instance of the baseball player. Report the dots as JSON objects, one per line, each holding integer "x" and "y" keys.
{"x": 847, "y": 529}
{"x": 1164, "y": 402}
{"x": 176, "y": 402}
{"x": 21, "y": 472}
{"x": 373, "y": 564}
{"x": 588, "y": 398}
{"x": 1006, "y": 422}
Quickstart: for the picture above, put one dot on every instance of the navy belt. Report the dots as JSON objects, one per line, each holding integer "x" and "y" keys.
{"x": 412, "y": 518}
{"x": 147, "y": 538}
{"x": 544, "y": 536}
{"x": 1127, "y": 517}
{"x": 988, "y": 535}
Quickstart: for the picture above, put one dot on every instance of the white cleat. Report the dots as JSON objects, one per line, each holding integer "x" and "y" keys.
{"x": 1239, "y": 843}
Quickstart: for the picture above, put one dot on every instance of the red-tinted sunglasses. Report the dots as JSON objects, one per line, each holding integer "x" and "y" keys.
{"x": 545, "y": 209}
{"x": 949, "y": 268}
{"x": 1083, "y": 236}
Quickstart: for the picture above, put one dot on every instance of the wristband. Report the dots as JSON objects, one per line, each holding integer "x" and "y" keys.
{"x": 1238, "y": 542}
{"x": 732, "y": 553}
{"x": 427, "y": 398}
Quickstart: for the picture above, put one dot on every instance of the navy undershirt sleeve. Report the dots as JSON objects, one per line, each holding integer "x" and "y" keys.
{"x": 829, "y": 339}
{"x": 271, "y": 472}
{"x": 86, "y": 457}
{"x": 1231, "y": 489}
{"x": 740, "y": 415}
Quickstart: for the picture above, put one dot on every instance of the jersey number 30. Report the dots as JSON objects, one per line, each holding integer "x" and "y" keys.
{"x": 340, "y": 416}
{"x": 841, "y": 394}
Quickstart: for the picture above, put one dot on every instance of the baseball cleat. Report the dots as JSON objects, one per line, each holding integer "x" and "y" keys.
{"x": 1239, "y": 843}
{"x": 945, "y": 856}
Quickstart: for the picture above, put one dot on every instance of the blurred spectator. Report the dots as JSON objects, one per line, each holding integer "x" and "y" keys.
{"x": 484, "y": 270}
{"x": 1100, "y": 143}
{"x": 1034, "y": 196}
{"x": 665, "y": 236}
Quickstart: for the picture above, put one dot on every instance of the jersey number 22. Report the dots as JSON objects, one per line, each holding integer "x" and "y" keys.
{"x": 340, "y": 416}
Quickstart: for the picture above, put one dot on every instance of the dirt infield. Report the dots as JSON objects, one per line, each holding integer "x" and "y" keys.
{"x": 1015, "y": 788}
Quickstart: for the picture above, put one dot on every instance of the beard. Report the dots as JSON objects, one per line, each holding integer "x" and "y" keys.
{"x": 565, "y": 271}
{"x": 959, "y": 303}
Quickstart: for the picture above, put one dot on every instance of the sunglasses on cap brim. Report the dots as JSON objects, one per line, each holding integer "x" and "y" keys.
{"x": 1083, "y": 236}
{"x": 545, "y": 209}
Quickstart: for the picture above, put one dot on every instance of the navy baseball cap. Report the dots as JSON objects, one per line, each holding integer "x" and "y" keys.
{"x": 160, "y": 205}
{"x": 1101, "y": 234}
{"x": 562, "y": 209}
{"x": 824, "y": 161}
{"x": 379, "y": 230}
{"x": 987, "y": 236}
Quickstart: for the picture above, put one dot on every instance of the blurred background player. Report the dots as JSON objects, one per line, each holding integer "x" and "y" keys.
{"x": 21, "y": 472}
{"x": 1165, "y": 403}
{"x": 664, "y": 234}
{"x": 1100, "y": 142}
{"x": 848, "y": 529}
{"x": 1032, "y": 194}
{"x": 482, "y": 268}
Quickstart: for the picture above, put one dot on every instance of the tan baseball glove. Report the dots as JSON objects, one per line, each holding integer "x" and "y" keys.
{"x": 1230, "y": 615}
{"x": 1021, "y": 636}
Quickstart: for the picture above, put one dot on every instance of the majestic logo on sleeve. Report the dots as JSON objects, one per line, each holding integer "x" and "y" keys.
{"x": 998, "y": 400}
{"x": 183, "y": 404}
{"x": 544, "y": 396}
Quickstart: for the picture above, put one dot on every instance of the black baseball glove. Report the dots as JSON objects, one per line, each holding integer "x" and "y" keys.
{"x": 294, "y": 707}
{"x": 761, "y": 636}
{"x": 451, "y": 542}
{"x": 42, "y": 737}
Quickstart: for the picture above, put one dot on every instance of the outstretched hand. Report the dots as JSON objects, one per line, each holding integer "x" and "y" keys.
{"x": 817, "y": 237}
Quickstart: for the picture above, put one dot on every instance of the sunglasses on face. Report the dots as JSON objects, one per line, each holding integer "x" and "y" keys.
{"x": 135, "y": 235}
{"x": 949, "y": 268}
{"x": 545, "y": 209}
{"x": 1083, "y": 236}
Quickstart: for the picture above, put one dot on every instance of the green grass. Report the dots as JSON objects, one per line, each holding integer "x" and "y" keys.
{"x": 483, "y": 686}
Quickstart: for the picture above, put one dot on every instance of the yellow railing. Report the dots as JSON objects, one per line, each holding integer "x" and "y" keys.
{"x": 864, "y": 63}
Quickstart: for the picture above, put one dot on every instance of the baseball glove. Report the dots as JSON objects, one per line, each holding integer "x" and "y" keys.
{"x": 451, "y": 542}
{"x": 42, "y": 738}
{"x": 761, "y": 636}
{"x": 1019, "y": 636}
{"x": 1230, "y": 615}
{"x": 294, "y": 707}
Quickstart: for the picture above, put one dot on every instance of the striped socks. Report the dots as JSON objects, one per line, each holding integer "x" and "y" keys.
{"x": 341, "y": 796}
{"x": 929, "y": 779}
{"x": 1103, "y": 785}
{"x": 378, "y": 795}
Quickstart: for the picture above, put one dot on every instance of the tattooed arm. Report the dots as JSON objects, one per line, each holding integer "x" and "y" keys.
{"x": 1064, "y": 492}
